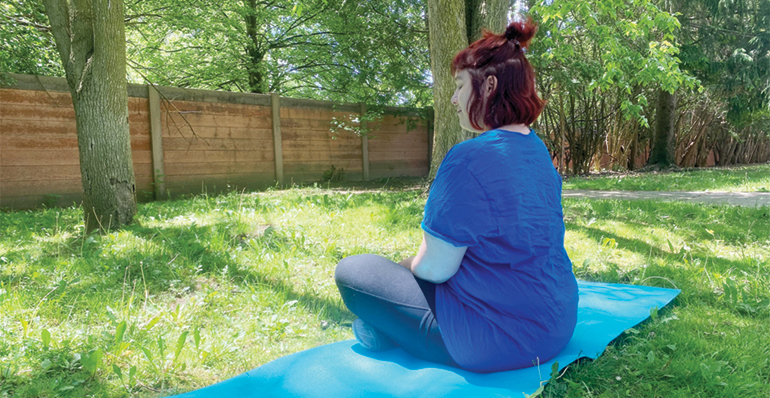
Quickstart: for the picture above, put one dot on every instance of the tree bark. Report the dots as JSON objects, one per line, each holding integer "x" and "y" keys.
{"x": 446, "y": 20}
{"x": 255, "y": 52}
{"x": 485, "y": 14}
{"x": 562, "y": 134}
{"x": 664, "y": 140}
{"x": 90, "y": 38}
{"x": 450, "y": 24}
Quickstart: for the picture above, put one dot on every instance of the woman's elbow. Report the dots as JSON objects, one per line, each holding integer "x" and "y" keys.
{"x": 439, "y": 279}
{"x": 431, "y": 274}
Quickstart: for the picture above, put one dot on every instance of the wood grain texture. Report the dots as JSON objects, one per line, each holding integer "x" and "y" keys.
{"x": 226, "y": 168}
{"x": 207, "y": 145}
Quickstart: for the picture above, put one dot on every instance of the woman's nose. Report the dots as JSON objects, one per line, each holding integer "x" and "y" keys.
{"x": 454, "y": 99}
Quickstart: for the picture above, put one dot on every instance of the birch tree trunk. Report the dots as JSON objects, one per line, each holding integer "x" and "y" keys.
{"x": 449, "y": 33}
{"x": 90, "y": 38}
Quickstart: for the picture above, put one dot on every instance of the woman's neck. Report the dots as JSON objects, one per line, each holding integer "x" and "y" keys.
{"x": 516, "y": 128}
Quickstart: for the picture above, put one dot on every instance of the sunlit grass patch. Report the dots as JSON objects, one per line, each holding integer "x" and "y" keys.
{"x": 203, "y": 289}
{"x": 755, "y": 178}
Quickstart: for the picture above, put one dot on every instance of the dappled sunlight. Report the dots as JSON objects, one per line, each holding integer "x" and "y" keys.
{"x": 237, "y": 280}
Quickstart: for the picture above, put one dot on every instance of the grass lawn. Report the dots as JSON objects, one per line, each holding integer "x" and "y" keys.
{"x": 754, "y": 178}
{"x": 203, "y": 289}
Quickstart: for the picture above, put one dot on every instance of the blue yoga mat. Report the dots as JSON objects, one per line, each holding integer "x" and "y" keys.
{"x": 346, "y": 369}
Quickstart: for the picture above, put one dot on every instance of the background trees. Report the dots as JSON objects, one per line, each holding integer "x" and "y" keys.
{"x": 373, "y": 51}
{"x": 599, "y": 65}
{"x": 726, "y": 45}
{"x": 610, "y": 69}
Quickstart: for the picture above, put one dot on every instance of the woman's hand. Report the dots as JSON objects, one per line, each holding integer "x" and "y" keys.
{"x": 407, "y": 262}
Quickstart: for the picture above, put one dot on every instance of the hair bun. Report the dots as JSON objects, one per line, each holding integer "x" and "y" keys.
{"x": 521, "y": 31}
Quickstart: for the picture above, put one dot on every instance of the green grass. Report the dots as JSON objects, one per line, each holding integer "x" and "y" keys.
{"x": 203, "y": 289}
{"x": 754, "y": 178}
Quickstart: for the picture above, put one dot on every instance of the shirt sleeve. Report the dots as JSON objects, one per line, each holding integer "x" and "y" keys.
{"x": 457, "y": 210}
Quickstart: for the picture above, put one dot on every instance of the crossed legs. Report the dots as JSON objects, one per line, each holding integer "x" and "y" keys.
{"x": 391, "y": 299}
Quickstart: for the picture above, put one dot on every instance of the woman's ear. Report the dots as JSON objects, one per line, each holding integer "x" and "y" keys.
{"x": 490, "y": 84}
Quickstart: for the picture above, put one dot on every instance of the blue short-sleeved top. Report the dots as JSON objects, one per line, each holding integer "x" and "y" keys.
{"x": 513, "y": 301}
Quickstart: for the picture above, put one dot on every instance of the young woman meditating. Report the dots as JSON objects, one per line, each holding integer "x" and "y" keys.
{"x": 491, "y": 287}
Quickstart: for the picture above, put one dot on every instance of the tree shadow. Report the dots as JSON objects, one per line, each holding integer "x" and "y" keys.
{"x": 643, "y": 248}
{"x": 213, "y": 263}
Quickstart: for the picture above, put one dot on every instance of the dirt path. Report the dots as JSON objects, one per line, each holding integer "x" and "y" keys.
{"x": 746, "y": 199}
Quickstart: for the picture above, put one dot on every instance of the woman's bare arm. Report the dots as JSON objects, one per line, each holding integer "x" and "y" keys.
{"x": 436, "y": 261}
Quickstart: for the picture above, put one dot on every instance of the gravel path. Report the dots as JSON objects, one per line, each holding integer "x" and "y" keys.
{"x": 746, "y": 199}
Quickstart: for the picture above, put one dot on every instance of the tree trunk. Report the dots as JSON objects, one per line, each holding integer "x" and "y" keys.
{"x": 256, "y": 67}
{"x": 664, "y": 140}
{"x": 90, "y": 37}
{"x": 562, "y": 134}
{"x": 446, "y": 20}
{"x": 449, "y": 32}
{"x": 485, "y": 14}
{"x": 634, "y": 149}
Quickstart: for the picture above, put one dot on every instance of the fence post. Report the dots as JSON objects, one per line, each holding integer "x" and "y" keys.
{"x": 364, "y": 144}
{"x": 276, "y": 104}
{"x": 156, "y": 140}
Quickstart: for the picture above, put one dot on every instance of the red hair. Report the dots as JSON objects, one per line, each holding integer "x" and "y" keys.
{"x": 515, "y": 99}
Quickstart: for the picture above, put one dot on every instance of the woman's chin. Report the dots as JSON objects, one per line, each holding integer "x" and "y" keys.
{"x": 467, "y": 126}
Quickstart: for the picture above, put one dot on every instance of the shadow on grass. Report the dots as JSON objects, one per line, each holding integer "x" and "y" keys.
{"x": 193, "y": 245}
{"x": 715, "y": 264}
{"x": 170, "y": 254}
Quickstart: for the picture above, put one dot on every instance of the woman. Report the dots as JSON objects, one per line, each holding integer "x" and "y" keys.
{"x": 491, "y": 287}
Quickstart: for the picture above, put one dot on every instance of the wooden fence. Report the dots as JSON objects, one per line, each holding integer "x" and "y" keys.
{"x": 188, "y": 141}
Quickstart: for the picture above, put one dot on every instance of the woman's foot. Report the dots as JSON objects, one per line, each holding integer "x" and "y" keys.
{"x": 371, "y": 338}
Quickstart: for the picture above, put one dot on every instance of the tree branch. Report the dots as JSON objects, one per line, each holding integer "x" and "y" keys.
{"x": 298, "y": 22}
{"x": 58, "y": 15}
{"x": 175, "y": 50}
{"x": 402, "y": 26}
{"x": 129, "y": 18}
{"x": 19, "y": 20}
{"x": 289, "y": 41}
{"x": 314, "y": 65}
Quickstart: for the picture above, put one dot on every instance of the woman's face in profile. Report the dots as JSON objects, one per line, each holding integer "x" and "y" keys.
{"x": 461, "y": 97}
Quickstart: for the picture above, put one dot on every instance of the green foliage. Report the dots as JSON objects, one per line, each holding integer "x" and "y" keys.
{"x": 374, "y": 52}
{"x": 333, "y": 174}
{"x": 598, "y": 63}
{"x": 608, "y": 47}
{"x": 727, "y": 46}
{"x": 356, "y": 123}
{"x": 26, "y": 43}
{"x": 91, "y": 360}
